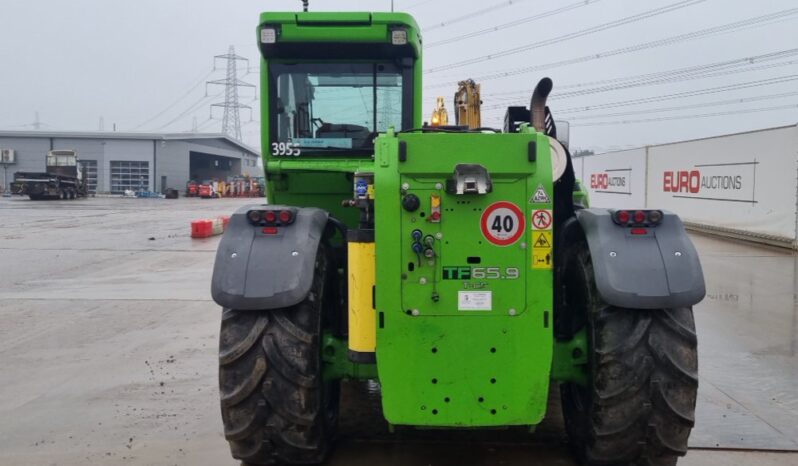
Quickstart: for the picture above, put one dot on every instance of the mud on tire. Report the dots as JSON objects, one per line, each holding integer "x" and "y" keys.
{"x": 639, "y": 405}
{"x": 276, "y": 408}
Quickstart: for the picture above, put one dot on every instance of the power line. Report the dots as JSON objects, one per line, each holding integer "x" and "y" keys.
{"x": 503, "y": 100}
{"x": 686, "y": 117}
{"x": 206, "y": 123}
{"x": 478, "y": 13}
{"x": 687, "y": 107}
{"x": 716, "y": 30}
{"x": 511, "y": 24}
{"x": 173, "y": 104}
{"x": 661, "y": 98}
{"x": 417, "y": 4}
{"x": 680, "y": 95}
{"x": 190, "y": 109}
{"x": 724, "y": 68}
{"x": 584, "y": 32}
{"x": 700, "y": 70}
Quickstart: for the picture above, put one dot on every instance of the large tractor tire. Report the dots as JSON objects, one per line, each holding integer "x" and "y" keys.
{"x": 276, "y": 408}
{"x": 639, "y": 404}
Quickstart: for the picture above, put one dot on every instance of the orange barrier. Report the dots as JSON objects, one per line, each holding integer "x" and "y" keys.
{"x": 207, "y": 227}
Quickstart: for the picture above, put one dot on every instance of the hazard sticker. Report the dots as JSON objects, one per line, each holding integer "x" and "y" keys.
{"x": 542, "y": 245}
{"x": 541, "y": 239}
{"x": 541, "y": 219}
{"x": 503, "y": 223}
{"x": 540, "y": 196}
{"x": 541, "y": 258}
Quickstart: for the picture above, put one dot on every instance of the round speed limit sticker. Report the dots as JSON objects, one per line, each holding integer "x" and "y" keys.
{"x": 503, "y": 223}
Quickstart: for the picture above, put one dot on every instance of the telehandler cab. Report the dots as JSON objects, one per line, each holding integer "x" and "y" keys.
{"x": 450, "y": 264}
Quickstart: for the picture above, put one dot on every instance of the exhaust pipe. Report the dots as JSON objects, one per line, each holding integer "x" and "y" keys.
{"x": 537, "y": 107}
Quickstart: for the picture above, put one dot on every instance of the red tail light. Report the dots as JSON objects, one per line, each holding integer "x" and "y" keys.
{"x": 637, "y": 218}
{"x": 271, "y": 218}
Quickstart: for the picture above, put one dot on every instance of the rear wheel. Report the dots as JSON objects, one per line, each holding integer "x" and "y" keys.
{"x": 276, "y": 407}
{"x": 638, "y": 407}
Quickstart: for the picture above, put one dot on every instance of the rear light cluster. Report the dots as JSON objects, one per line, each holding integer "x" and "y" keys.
{"x": 271, "y": 218}
{"x": 637, "y": 218}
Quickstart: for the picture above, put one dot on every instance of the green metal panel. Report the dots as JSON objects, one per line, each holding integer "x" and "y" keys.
{"x": 341, "y": 27}
{"x": 328, "y": 33}
{"x": 440, "y": 365}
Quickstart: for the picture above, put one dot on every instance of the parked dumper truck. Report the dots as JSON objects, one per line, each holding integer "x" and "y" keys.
{"x": 451, "y": 264}
{"x": 62, "y": 178}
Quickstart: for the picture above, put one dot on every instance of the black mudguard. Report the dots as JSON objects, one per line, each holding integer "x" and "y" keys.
{"x": 657, "y": 270}
{"x": 255, "y": 270}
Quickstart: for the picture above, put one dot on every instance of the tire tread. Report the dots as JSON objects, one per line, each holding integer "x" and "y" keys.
{"x": 269, "y": 380}
{"x": 644, "y": 368}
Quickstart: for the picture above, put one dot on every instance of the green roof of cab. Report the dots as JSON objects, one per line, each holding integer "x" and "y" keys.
{"x": 341, "y": 26}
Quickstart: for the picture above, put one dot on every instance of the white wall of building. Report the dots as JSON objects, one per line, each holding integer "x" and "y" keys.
{"x": 743, "y": 182}
{"x": 616, "y": 179}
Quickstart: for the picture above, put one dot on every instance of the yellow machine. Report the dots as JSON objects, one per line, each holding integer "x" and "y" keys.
{"x": 440, "y": 117}
{"x": 467, "y": 104}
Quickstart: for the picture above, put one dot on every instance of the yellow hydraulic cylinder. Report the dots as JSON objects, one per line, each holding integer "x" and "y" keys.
{"x": 362, "y": 315}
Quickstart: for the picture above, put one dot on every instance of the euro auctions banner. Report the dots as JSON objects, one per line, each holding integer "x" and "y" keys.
{"x": 616, "y": 179}
{"x": 745, "y": 182}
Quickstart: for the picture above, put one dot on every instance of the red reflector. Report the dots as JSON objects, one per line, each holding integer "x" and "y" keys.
{"x": 270, "y": 217}
{"x": 435, "y": 216}
{"x": 640, "y": 216}
{"x": 285, "y": 216}
{"x": 270, "y": 231}
{"x": 622, "y": 216}
{"x": 639, "y": 231}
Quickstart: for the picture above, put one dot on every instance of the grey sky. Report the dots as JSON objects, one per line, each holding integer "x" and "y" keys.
{"x": 75, "y": 61}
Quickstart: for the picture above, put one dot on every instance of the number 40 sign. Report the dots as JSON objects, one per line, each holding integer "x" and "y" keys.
{"x": 503, "y": 223}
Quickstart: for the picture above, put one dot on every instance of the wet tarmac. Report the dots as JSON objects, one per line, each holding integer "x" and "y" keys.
{"x": 109, "y": 339}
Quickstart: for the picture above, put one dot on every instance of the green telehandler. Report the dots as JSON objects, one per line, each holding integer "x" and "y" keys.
{"x": 453, "y": 265}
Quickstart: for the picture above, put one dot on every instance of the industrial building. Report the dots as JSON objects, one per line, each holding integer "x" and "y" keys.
{"x": 115, "y": 161}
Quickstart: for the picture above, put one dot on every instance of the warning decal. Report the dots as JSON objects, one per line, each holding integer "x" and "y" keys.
{"x": 541, "y": 219}
{"x": 503, "y": 223}
{"x": 541, "y": 259}
{"x": 540, "y": 196}
{"x": 542, "y": 246}
{"x": 542, "y": 240}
